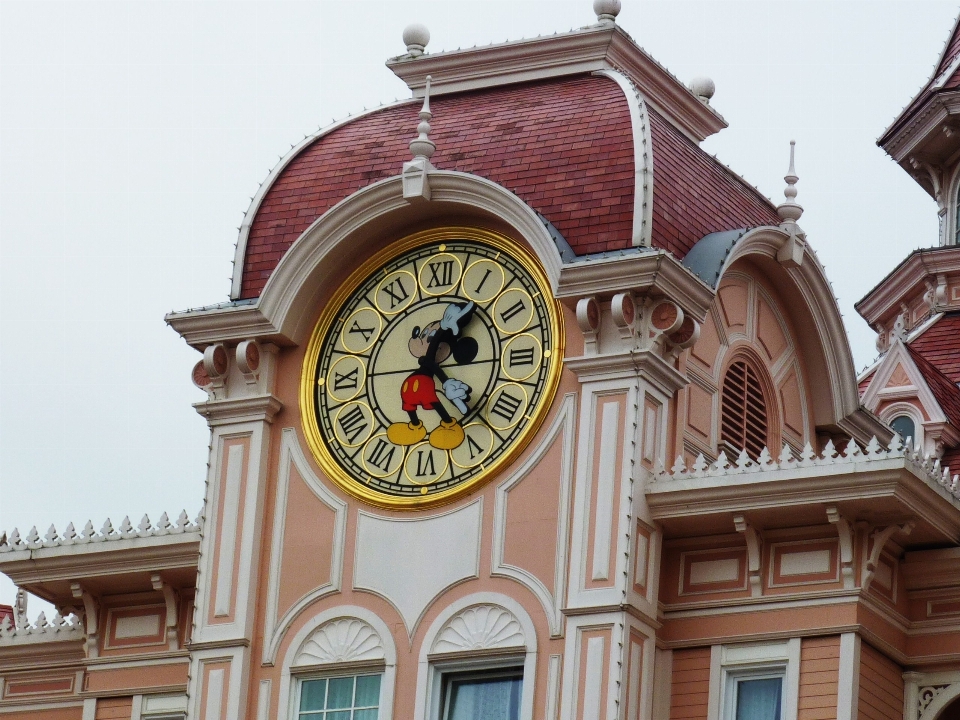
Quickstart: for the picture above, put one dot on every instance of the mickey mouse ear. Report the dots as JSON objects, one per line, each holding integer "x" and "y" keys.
{"x": 465, "y": 350}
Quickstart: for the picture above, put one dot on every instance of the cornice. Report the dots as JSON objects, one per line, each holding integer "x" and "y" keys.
{"x": 640, "y": 363}
{"x": 207, "y": 326}
{"x": 258, "y": 408}
{"x": 641, "y": 272}
{"x": 906, "y": 279}
{"x": 597, "y": 47}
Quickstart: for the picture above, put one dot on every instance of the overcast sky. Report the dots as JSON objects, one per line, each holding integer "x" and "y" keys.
{"x": 132, "y": 135}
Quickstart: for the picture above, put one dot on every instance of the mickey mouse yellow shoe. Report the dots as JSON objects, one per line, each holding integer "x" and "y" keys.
{"x": 447, "y": 435}
{"x": 407, "y": 433}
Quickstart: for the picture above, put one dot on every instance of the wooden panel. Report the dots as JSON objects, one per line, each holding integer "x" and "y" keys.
{"x": 819, "y": 670}
{"x": 881, "y": 686}
{"x": 114, "y": 708}
{"x": 690, "y": 686}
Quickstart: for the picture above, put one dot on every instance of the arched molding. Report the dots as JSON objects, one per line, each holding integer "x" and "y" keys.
{"x": 951, "y": 203}
{"x": 240, "y": 253}
{"x": 745, "y": 352}
{"x": 336, "y": 640}
{"x": 902, "y": 407}
{"x": 830, "y": 355}
{"x": 493, "y": 624}
{"x": 355, "y": 226}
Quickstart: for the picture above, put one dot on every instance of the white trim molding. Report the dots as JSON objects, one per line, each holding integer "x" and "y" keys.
{"x": 476, "y": 632}
{"x": 291, "y": 455}
{"x": 729, "y": 661}
{"x": 563, "y": 427}
{"x": 343, "y": 639}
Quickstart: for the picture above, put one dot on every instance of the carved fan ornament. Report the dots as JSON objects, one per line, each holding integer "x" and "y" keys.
{"x": 483, "y": 627}
{"x": 345, "y": 640}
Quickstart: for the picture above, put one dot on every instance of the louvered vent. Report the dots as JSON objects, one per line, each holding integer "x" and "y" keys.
{"x": 743, "y": 411}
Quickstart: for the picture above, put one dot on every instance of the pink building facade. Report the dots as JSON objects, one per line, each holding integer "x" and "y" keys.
{"x": 523, "y": 406}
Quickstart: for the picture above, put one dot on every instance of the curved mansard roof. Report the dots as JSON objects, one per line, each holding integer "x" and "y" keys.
{"x": 565, "y": 146}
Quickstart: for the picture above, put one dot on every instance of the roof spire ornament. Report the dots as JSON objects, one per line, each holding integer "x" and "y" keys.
{"x": 790, "y": 254}
{"x": 416, "y": 184}
{"x": 416, "y": 37}
{"x": 790, "y": 211}
{"x": 607, "y": 11}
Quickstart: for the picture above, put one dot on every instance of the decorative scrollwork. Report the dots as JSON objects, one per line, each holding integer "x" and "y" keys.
{"x": 926, "y": 695}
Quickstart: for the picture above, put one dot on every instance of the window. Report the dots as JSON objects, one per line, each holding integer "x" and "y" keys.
{"x": 904, "y": 427}
{"x": 757, "y": 698}
{"x": 483, "y": 696}
{"x": 354, "y": 697}
{"x": 743, "y": 413}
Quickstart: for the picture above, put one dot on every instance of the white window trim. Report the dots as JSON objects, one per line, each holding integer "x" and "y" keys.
{"x": 729, "y": 662}
{"x": 329, "y": 674}
{"x": 433, "y": 667}
{"x": 290, "y": 676}
{"x": 895, "y": 410}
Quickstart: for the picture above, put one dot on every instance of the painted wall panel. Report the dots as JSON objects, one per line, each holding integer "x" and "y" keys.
{"x": 881, "y": 686}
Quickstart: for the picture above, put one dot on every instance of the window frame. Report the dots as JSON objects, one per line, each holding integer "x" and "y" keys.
{"x": 333, "y": 673}
{"x": 774, "y": 431}
{"x": 477, "y": 669}
{"x": 754, "y": 661}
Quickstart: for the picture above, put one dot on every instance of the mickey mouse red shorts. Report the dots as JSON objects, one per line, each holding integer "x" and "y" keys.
{"x": 419, "y": 390}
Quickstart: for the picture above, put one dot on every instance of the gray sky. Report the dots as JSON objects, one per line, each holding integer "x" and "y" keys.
{"x": 132, "y": 135}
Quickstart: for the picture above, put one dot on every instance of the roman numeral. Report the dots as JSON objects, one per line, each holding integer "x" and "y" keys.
{"x": 512, "y": 311}
{"x": 506, "y": 406}
{"x": 380, "y": 456}
{"x": 441, "y": 273}
{"x": 347, "y": 380}
{"x": 366, "y": 333}
{"x": 523, "y": 356}
{"x": 353, "y": 423}
{"x": 483, "y": 281}
{"x": 472, "y": 446}
{"x": 396, "y": 292}
{"x": 425, "y": 465}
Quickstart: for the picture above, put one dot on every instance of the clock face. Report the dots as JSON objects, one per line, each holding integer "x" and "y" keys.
{"x": 431, "y": 368}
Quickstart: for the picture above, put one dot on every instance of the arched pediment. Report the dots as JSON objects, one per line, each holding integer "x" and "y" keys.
{"x": 338, "y": 641}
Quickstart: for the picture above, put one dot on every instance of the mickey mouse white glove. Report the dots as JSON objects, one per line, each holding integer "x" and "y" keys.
{"x": 456, "y": 391}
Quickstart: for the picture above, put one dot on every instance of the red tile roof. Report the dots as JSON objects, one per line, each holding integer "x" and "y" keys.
{"x": 951, "y": 459}
{"x": 695, "y": 195}
{"x": 564, "y": 146}
{"x": 865, "y": 383}
{"x": 940, "y": 345}
{"x": 944, "y": 390}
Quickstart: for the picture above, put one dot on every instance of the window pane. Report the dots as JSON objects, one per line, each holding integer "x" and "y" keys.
{"x": 339, "y": 715}
{"x": 365, "y": 715}
{"x": 905, "y": 427}
{"x": 493, "y": 699}
{"x": 759, "y": 699}
{"x": 340, "y": 694}
{"x": 368, "y": 691}
{"x": 312, "y": 694}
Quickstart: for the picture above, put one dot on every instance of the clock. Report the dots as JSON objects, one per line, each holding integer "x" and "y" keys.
{"x": 431, "y": 368}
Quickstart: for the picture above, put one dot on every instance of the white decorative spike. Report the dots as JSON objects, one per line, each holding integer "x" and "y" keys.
{"x": 107, "y": 532}
{"x": 699, "y": 466}
{"x": 896, "y": 444}
{"x": 144, "y": 529}
{"x": 743, "y": 460}
{"x": 33, "y": 539}
{"x": 829, "y": 453}
{"x": 789, "y": 210}
{"x": 786, "y": 457}
{"x": 183, "y": 520}
{"x": 874, "y": 450}
{"x": 945, "y": 477}
{"x": 852, "y": 451}
{"x": 41, "y": 621}
{"x": 422, "y": 145}
{"x": 58, "y": 621}
{"x": 126, "y": 528}
{"x": 198, "y": 521}
{"x": 88, "y": 532}
{"x": 14, "y": 540}
{"x": 720, "y": 466}
{"x": 765, "y": 460}
{"x": 51, "y": 539}
{"x": 658, "y": 470}
{"x": 69, "y": 535}
{"x": 808, "y": 457}
{"x": 679, "y": 467}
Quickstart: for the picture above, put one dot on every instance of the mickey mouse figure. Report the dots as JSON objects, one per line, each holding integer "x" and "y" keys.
{"x": 431, "y": 345}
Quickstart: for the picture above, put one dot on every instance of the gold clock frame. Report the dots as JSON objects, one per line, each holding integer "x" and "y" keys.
{"x": 309, "y": 423}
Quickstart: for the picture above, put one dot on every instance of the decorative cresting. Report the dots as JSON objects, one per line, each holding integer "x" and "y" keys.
{"x": 339, "y": 641}
{"x": 923, "y": 465}
{"x": 431, "y": 368}
{"x": 127, "y": 531}
{"x": 57, "y": 629}
{"x": 482, "y": 627}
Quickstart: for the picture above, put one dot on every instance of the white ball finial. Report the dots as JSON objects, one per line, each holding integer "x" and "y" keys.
{"x": 606, "y": 10}
{"x": 416, "y": 37}
{"x": 703, "y": 88}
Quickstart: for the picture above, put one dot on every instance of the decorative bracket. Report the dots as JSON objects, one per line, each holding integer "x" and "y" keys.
{"x": 846, "y": 534}
{"x": 624, "y": 312}
{"x": 588, "y": 318}
{"x": 754, "y": 552}
{"x": 248, "y": 360}
{"x": 90, "y": 615}
{"x": 880, "y": 538}
{"x": 170, "y": 599}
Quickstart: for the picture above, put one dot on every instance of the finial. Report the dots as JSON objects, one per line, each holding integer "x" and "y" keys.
{"x": 416, "y": 37}
{"x": 790, "y": 211}
{"x": 423, "y": 146}
{"x": 703, "y": 88}
{"x": 416, "y": 183}
{"x": 607, "y": 11}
